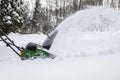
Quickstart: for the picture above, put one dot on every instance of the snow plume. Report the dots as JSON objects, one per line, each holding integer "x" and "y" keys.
{"x": 96, "y": 19}
{"x": 88, "y": 32}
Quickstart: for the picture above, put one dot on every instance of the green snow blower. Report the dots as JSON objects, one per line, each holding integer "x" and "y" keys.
{"x": 30, "y": 52}
{"x": 33, "y": 51}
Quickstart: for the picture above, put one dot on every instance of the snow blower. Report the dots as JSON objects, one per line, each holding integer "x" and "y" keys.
{"x": 30, "y": 52}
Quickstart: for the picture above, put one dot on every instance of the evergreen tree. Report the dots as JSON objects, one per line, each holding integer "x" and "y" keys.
{"x": 36, "y": 17}
{"x": 11, "y": 15}
{"x": 112, "y": 4}
{"x": 0, "y": 19}
{"x": 40, "y": 17}
{"x": 75, "y": 5}
{"x": 26, "y": 28}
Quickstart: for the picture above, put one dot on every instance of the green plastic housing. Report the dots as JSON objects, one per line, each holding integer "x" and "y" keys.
{"x": 39, "y": 53}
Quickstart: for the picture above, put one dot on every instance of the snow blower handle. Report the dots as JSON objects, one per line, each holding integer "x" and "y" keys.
{"x": 10, "y": 43}
{"x": 7, "y": 44}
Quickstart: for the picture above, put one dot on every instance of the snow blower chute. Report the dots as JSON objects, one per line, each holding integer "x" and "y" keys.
{"x": 31, "y": 51}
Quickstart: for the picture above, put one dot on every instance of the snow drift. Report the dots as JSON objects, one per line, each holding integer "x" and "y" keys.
{"x": 89, "y": 32}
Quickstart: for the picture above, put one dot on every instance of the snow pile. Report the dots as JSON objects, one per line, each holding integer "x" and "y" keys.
{"x": 88, "y": 32}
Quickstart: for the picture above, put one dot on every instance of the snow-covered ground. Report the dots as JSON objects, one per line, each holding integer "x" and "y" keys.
{"x": 82, "y": 68}
{"x": 86, "y": 46}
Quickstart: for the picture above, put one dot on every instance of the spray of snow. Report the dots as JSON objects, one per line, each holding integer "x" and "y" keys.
{"x": 88, "y": 32}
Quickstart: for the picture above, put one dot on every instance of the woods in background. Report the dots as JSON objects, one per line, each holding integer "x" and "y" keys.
{"x": 16, "y": 15}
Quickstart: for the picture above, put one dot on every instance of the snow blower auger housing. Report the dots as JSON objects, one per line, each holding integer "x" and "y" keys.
{"x": 31, "y": 51}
